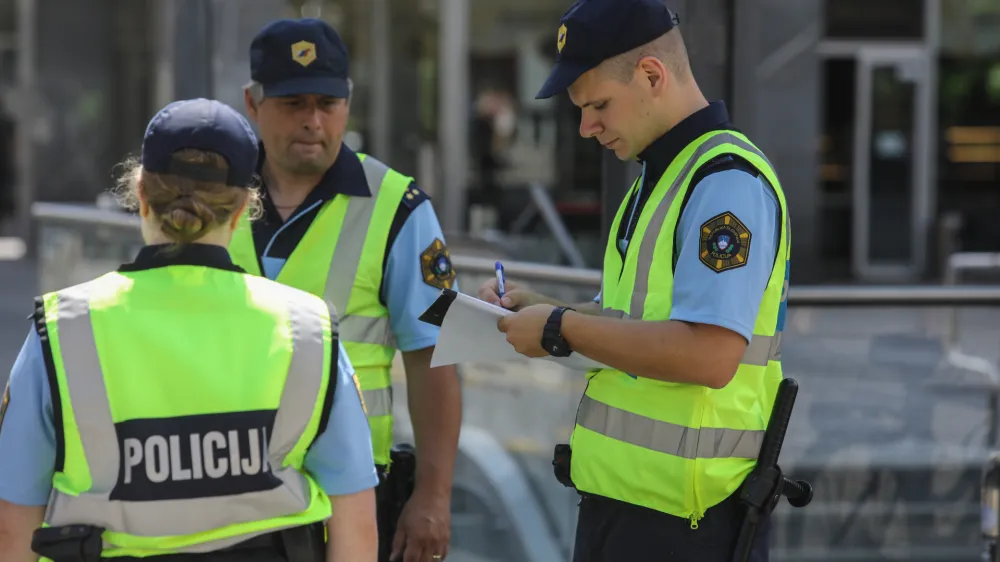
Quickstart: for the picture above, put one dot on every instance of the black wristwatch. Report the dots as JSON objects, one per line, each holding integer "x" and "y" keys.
{"x": 552, "y": 338}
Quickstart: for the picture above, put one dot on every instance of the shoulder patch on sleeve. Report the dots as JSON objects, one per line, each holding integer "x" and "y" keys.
{"x": 435, "y": 265}
{"x": 725, "y": 243}
{"x": 414, "y": 196}
{"x": 3, "y": 403}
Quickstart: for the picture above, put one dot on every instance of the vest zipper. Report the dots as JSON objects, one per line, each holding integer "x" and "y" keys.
{"x": 695, "y": 518}
{"x": 698, "y": 513}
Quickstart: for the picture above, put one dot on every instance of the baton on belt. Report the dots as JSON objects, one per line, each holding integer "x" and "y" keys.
{"x": 763, "y": 489}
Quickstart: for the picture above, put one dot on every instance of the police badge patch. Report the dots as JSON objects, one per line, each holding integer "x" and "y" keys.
{"x": 725, "y": 243}
{"x": 435, "y": 265}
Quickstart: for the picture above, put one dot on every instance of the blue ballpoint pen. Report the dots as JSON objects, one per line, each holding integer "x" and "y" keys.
{"x": 499, "y": 269}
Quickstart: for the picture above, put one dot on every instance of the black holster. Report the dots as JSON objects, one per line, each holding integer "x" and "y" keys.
{"x": 304, "y": 544}
{"x": 394, "y": 489}
{"x": 562, "y": 460}
{"x": 69, "y": 543}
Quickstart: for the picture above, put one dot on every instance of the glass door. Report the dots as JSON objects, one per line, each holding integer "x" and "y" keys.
{"x": 891, "y": 164}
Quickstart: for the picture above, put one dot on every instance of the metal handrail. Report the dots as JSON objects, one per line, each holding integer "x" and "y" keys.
{"x": 529, "y": 271}
{"x": 965, "y": 261}
{"x": 86, "y": 214}
{"x": 956, "y": 264}
{"x": 895, "y": 295}
{"x": 816, "y": 296}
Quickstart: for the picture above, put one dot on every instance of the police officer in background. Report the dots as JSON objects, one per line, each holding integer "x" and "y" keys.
{"x": 178, "y": 409}
{"x": 344, "y": 226}
{"x": 692, "y": 302}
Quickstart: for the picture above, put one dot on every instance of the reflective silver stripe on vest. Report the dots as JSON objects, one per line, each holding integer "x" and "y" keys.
{"x": 92, "y": 413}
{"x": 378, "y": 402}
{"x": 343, "y": 271}
{"x": 347, "y": 257}
{"x": 759, "y": 351}
{"x": 664, "y": 437}
{"x": 762, "y": 349}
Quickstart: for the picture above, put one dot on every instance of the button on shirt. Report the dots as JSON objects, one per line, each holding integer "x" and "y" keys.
{"x": 730, "y": 299}
{"x": 415, "y": 229}
{"x": 340, "y": 458}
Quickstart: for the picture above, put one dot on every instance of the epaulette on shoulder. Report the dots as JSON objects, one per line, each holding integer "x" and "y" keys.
{"x": 414, "y": 196}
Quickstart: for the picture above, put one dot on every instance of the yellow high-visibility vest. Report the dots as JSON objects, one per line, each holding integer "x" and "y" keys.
{"x": 189, "y": 397}
{"x": 340, "y": 259}
{"x": 678, "y": 448}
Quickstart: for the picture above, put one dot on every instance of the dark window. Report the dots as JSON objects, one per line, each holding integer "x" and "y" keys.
{"x": 866, "y": 19}
{"x": 969, "y": 147}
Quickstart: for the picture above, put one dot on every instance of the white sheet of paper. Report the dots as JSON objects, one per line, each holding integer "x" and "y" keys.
{"x": 469, "y": 334}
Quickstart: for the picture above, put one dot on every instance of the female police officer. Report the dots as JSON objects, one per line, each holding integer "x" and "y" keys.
{"x": 178, "y": 408}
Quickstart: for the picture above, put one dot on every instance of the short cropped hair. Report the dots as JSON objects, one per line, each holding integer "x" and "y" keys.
{"x": 256, "y": 90}
{"x": 668, "y": 48}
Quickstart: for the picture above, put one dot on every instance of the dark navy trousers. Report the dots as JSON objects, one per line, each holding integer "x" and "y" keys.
{"x": 609, "y": 530}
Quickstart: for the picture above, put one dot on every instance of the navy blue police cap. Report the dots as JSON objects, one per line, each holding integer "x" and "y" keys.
{"x": 592, "y": 31}
{"x": 202, "y": 124}
{"x": 290, "y": 57}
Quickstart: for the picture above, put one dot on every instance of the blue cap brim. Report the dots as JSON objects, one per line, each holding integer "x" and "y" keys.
{"x": 322, "y": 86}
{"x": 562, "y": 77}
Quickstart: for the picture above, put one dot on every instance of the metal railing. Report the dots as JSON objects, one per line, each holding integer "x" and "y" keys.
{"x": 507, "y": 505}
{"x": 814, "y": 296}
{"x": 957, "y": 264}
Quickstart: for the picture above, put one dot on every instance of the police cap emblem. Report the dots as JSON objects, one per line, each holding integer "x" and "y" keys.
{"x": 725, "y": 243}
{"x": 303, "y": 52}
{"x": 435, "y": 265}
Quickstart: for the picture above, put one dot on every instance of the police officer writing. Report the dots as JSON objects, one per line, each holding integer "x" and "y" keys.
{"x": 179, "y": 409}
{"x": 692, "y": 303}
{"x": 346, "y": 227}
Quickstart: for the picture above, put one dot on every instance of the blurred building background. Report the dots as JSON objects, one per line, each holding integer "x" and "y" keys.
{"x": 882, "y": 117}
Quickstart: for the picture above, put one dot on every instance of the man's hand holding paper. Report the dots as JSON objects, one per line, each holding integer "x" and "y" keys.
{"x": 515, "y": 297}
{"x": 488, "y": 329}
{"x": 524, "y": 329}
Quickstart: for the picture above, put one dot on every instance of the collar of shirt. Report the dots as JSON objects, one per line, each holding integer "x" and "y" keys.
{"x": 346, "y": 176}
{"x": 658, "y": 155}
{"x": 160, "y": 255}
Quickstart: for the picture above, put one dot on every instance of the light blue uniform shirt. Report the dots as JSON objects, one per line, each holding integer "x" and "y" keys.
{"x": 730, "y": 299}
{"x": 404, "y": 291}
{"x": 340, "y": 459}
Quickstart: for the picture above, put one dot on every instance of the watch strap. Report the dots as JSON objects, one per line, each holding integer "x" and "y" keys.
{"x": 552, "y": 338}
